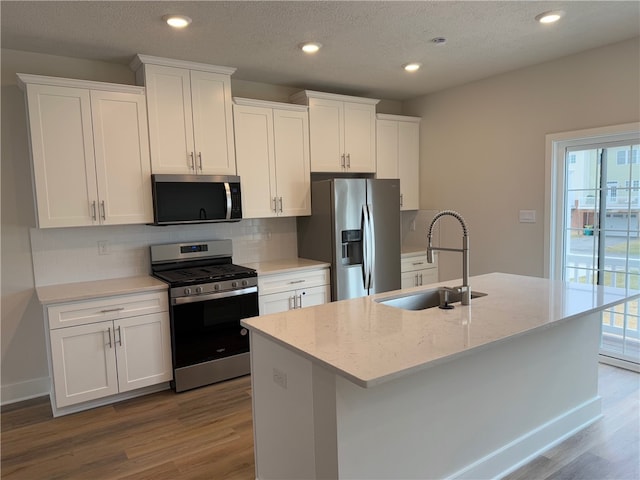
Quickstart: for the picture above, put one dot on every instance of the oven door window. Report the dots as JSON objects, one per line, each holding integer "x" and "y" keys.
{"x": 208, "y": 330}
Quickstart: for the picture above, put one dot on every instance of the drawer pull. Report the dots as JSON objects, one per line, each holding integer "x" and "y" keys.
{"x": 112, "y": 310}
{"x": 297, "y": 281}
{"x": 417, "y": 263}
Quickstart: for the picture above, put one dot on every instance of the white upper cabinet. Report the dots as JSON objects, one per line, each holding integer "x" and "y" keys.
{"x": 272, "y": 154}
{"x": 398, "y": 155}
{"x": 342, "y": 132}
{"x": 190, "y": 116}
{"x": 90, "y": 152}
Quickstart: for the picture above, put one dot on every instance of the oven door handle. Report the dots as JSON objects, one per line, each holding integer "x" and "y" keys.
{"x": 213, "y": 296}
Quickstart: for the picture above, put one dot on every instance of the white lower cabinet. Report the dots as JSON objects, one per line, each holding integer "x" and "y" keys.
{"x": 416, "y": 271}
{"x": 126, "y": 350}
{"x": 288, "y": 291}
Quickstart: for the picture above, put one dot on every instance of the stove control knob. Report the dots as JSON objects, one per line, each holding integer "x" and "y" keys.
{"x": 234, "y": 284}
{"x": 187, "y": 291}
{"x": 245, "y": 283}
{"x": 199, "y": 290}
{"x": 216, "y": 286}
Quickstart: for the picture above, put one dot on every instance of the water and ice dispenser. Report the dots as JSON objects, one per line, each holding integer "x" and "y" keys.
{"x": 351, "y": 247}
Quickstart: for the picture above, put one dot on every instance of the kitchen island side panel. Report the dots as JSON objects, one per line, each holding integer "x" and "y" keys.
{"x": 478, "y": 416}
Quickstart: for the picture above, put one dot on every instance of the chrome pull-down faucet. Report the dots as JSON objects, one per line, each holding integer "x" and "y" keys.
{"x": 464, "y": 289}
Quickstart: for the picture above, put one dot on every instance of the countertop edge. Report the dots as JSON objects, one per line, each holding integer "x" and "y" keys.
{"x": 77, "y": 291}
{"x": 276, "y": 267}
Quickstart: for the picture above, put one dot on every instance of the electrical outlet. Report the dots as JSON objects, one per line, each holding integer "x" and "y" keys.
{"x": 280, "y": 378}
{"x": 104, "y": 248}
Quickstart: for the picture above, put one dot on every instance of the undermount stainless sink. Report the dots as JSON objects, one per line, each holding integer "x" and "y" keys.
{"x": 441, "y": 297}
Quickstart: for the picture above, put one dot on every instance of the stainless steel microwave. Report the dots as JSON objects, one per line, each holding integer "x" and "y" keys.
{"x": 180, "y": 199}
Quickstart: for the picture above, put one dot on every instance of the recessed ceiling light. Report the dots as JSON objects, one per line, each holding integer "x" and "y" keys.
{"x": 310, "y": 47}
{"x": 412, "y": 67}
{"x": 177, "y": 21}
{"x": 550, "y": 17}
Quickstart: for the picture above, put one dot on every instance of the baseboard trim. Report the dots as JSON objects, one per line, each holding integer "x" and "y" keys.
{"x": 18, "y": 392}
{"x": 525, "y": 448}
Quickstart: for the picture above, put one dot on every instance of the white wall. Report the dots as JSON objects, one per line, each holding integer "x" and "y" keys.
{"x": 482, "y": 148}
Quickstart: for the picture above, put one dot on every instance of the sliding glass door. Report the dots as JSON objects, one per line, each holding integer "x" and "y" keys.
{"x": 601, "y": 234}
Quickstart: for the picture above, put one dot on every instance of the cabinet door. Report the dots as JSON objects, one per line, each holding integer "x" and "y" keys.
{"x": 212, "y": 123}
{"x": 63, "y": 158}
{"x": 408, "y": 164}
{"x": 255, "y": 158}
{"x": 409, "y": 279}
{"x": 387, "y": 149}
{"x": 170, "y": 119}
{"x": 276, "y": 302}
{"x": 83, "y": 362}
{"x": 143, "y": 347}
{"x": 314, "y": 296}
{"x": 360, "y": 137}
{"x": 122, "y": 157}
{"x": 326, "y": 135}
{"x": 293, "y": 179}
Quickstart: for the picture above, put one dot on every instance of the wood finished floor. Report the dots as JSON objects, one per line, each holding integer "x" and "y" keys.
{"x": 207, "y": 434}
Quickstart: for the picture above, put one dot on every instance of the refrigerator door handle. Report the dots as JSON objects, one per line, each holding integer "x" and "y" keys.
{"x": 372, "y": 246}
{"x": 366, "y": 271}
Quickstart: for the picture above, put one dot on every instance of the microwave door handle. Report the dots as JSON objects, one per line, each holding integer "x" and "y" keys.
{"x": 227, "y": 191}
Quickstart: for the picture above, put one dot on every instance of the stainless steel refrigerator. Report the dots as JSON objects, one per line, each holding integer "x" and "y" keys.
{"x": 355, "y": 226}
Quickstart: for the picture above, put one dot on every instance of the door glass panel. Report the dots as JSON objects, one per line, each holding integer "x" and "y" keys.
{"x": 602, "y": 235}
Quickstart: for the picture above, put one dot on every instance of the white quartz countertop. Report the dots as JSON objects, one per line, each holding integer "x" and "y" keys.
{"x": 69, "y": 292}
{"x": 286, "y": 265}
{"x": 370, "y": 343}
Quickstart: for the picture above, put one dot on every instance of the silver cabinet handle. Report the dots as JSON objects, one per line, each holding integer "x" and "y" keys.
{"x": 421, "y": 279}
{"x": 417, "y": 263}
{"x": 275, "y": 203}
{"x": 119, "y": 335}
{"x": 104, "y": 212}
{"x": 280, "y": 204}
{"x": 93, "y": 210}
{"x": 300, "y": 301}
{"x": 192, "y": 165}
{"x": 109, "y": 333}
{"x": 294, "y": 303}
{"x": 401, "y": 199}
{"x": 348, "y": 160}
{"x": 415, "y": 283}
{"x": 342, "y": 162}
{"x": 200, "y": 160}
{"x": 296, "y": 281}
{"x": 107, "y": 310}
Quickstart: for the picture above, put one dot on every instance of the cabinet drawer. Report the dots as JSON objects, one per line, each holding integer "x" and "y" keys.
{"x": 107, "y": 308}
{"x": 291, "y": 281}
{"x": 417, "y": 262}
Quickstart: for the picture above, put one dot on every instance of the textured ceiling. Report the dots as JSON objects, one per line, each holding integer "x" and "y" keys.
{"x": 365, "y": 43}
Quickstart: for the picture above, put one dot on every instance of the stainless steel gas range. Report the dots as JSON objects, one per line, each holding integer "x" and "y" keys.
{"x": 208, "y": 296}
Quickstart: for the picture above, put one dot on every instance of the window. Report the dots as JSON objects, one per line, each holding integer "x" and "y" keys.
{"x": 612, "y": 188}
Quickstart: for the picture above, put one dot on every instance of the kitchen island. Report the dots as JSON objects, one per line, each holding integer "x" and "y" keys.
{"x": 361, "y": 390}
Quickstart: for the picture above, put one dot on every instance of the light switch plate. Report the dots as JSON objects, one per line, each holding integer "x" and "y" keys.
{"x": 527, "y": 216}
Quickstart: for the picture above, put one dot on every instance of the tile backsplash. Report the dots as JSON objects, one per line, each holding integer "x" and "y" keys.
{"x": 414, "y": 225}
{"x": 67, "y": 255}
